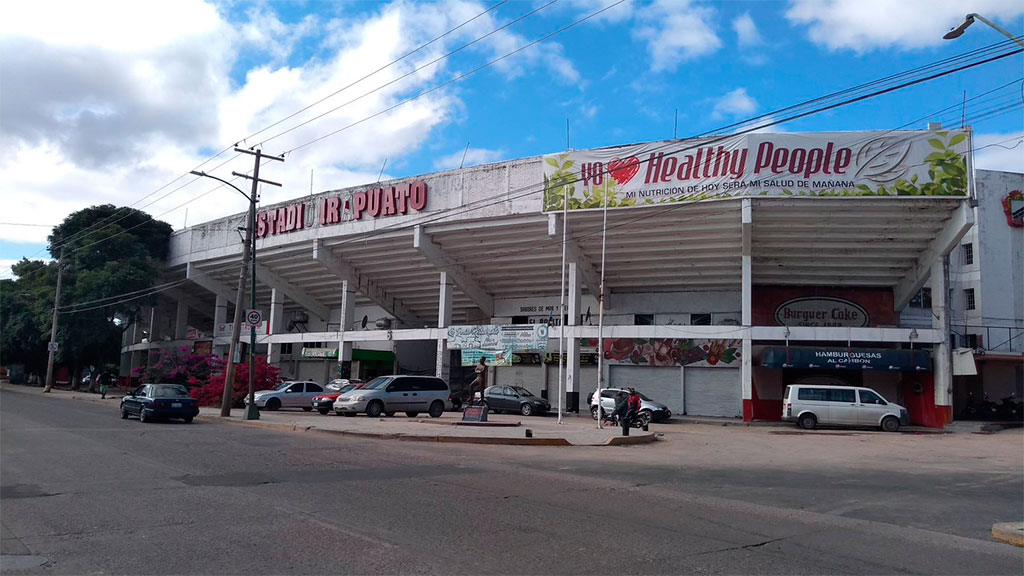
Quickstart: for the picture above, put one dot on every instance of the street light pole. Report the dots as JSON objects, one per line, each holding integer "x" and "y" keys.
{"x": 970, "y": 18}
{"x": 248, "y": 264}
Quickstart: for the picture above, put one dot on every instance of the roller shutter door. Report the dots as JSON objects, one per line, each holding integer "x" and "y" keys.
{"x": 661, "y": 384}
{"x": 713, "y": 392}
{"x": 528, "y": 376}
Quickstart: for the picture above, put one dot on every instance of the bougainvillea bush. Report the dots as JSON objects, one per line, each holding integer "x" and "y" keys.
{"x": 212, "y": 392}
{"x": 179, "y": 366}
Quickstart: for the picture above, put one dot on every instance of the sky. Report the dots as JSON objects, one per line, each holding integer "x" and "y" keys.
{"x": 116, "y": 101}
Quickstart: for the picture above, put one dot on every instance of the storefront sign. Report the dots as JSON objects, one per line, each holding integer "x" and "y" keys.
{"x": 399, "y": 199}
{"x": 821, "y": 311}
{"x": 847, "y": 359}
{"x": 472, "y": 356}
{"x": 1013, "y": 207}
{"x": 905, "y": 163}
{"x": 223, "y": 330}
{"x": 672, "y": 352}
{"x": 520, "y": 337}
{"x": 319, "y": 352}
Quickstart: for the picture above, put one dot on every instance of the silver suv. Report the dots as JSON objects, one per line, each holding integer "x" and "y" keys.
{"x": 390, "y": 394}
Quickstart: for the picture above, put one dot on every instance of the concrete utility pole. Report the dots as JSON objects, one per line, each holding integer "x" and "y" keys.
{"x": 52, "y": 347}
{"x": 251, "y": 412}
{"x": 248, "y": 261}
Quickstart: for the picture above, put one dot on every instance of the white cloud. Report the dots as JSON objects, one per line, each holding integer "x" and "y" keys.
{"x": 864, "y": 25}
{"x": 735, "y": 103}
{"x": 619, "y": 13}
{"x": 676, "y": 31}
{"x": 746, "y": 30}
{"x": 115, "y": 100}
{"x": 474, "y": 157}
{"x": 999, "y": 151}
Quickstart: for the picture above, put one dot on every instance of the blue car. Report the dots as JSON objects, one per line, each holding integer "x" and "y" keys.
{"x": 152, "y": 401}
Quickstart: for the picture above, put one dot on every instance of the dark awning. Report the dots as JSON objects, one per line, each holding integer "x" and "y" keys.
{"x": 885, "y": 359}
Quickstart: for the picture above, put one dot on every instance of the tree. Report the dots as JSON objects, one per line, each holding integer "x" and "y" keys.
{"x": 265, "y": 378}
{"x": 26, "y": 305}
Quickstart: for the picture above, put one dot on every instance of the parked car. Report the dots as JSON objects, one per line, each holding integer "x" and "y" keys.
{"x": 650, "y": 411}
{"x": 287, "y": 395}
{"x": 322, "y": 403}
{"x": 152, "y": 401}
{"x": 339, "y": 383}
{"x": 515, "y": 399}
{"x": 810, "y": 405}
{"x": 390, "y": 394}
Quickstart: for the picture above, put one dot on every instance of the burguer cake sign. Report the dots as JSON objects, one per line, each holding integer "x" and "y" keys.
{"x": 892, "y": 163}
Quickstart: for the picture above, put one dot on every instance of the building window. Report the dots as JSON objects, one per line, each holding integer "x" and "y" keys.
{"x": 969, "y": 298}
{"x": 643, "y": 319}
{"x": 923, "y": 299}
{"x": 967, "y": 252}
{"x": 286, "y": 348}
{"x": 700, "y": 319}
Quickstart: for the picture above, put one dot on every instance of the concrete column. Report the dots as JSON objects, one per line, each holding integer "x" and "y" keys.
{"x": 181, "y": 321}
{"x": 941, "y": 359}
{"x": 154, "y": 325}
{"x": 572, "y": 365}
{"x": 444, "y": 318}
{"x": 276, "y": 318}
{"x": 220, "y": 316}
{"x": 746, "y": 296}
{"x": 348, "y": 312}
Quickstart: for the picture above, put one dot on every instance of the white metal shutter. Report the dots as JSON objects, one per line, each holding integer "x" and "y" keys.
{"x": 661, "y": 384}
{"x": 713, "y": 392}
{"x": 528, "y": 376}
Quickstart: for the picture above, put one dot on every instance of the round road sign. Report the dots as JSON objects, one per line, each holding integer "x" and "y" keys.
{"x": 253, "y": 317}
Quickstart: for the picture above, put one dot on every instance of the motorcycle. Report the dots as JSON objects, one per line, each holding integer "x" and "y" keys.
{"x": 1010, "y": 409}
{"x": 983, "y": 410}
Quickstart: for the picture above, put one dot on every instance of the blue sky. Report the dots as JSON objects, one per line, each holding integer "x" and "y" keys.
{"x": 119, "y": 99}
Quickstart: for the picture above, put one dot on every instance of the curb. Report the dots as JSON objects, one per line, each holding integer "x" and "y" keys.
{"x": 486, "y": 440}
{"x": 1009, "y": 532}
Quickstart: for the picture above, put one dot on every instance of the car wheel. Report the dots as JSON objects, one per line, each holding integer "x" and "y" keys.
{"x": 143, "y": 417}
{"x": 389, "y": 414}
{"x": 526, "y": 409}
{"x": 890, "y": 424}
{"x": 642, "y": 419}
{"x": 188, "y": 419}
{"x": 124, "y": 413}
{"x": 323, "y": 411}
{"x": 273, "y": 404}
{"x": 307, "y": 408}
{"x": 374, "y": 409}
{"x": 436, "y": 409}
{"x": 807, "y": 421}
{"x": 412, "y": 414}
{"x": 593, "y": 412}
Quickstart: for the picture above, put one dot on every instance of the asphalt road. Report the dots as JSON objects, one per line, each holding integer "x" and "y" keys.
{"x": 91, "y": 493}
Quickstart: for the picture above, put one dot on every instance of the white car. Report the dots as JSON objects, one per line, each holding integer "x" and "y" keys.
{"x": 288, "y": 395}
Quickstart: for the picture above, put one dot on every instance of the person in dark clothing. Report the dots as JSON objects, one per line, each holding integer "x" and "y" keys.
{"x": 632, "y": 409}
{"x": 619, "y": 411}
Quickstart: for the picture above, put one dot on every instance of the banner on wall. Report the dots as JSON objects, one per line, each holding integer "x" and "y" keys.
{"x": 890, "y": 163}
{"x": 520, "y": 337}
{"x": 472, "y": 356}
{"x": 672, "y": 352}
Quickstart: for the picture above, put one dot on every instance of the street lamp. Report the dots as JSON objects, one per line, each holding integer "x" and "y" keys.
{"x": 969, "y": 19}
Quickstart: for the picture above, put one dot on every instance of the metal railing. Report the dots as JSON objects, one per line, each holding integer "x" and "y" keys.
{"x": 989, "y": 338}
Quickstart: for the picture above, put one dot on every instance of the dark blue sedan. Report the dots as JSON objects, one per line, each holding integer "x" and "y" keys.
{"x": 151, "y": 401}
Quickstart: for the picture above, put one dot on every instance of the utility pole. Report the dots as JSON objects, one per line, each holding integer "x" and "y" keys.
{"x": 251, "y": 412}
{"x": 52, "y": 347}
{"x": 248, "y": 260}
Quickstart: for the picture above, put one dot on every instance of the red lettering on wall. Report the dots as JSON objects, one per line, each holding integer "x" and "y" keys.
{"x": 418, "y": 195}
{"x": 358, "y": 205}
{"x": 388, "y": 201}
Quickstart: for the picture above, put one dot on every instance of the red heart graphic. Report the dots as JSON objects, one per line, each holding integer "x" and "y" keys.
{"x": 623, "y": 169}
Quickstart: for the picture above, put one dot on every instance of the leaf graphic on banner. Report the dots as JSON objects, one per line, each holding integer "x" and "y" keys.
{"x": 881, "y": 160}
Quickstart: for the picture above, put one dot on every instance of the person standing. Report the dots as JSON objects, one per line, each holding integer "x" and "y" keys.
{"x": 632, "y": 409}
{"x": 620, "y": 408}
{"x": 480, "y": 380}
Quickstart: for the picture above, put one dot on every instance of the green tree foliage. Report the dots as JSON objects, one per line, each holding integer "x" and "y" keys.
{"x": 111, "y": 257}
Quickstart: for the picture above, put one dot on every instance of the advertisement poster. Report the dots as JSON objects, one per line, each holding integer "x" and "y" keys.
{"x": 471, "y": 357}
{"x": 495, "y": 337}
{"x": 889, "y": 163}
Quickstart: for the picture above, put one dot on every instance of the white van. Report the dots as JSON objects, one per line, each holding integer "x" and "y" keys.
{"x": 809, "y": 405}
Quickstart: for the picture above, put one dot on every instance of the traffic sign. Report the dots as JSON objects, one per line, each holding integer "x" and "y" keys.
{"x": 52, "y": 346}
{"x": 253, "y": 317}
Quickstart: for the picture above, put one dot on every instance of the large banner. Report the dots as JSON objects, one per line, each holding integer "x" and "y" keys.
{"x": 891, "y": 163}
{"x": 518, "y": 337}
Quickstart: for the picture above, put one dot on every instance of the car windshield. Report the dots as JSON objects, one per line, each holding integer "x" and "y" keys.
{"x": 522, "y": 391}
{"x": 169, "y": 390}
{"x": 378, "y": 383}
{"x": 346, "y": 388}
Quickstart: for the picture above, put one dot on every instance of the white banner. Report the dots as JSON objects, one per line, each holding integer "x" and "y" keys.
{"x": 518, "y": 337}
{"x": 891, "y": 163}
